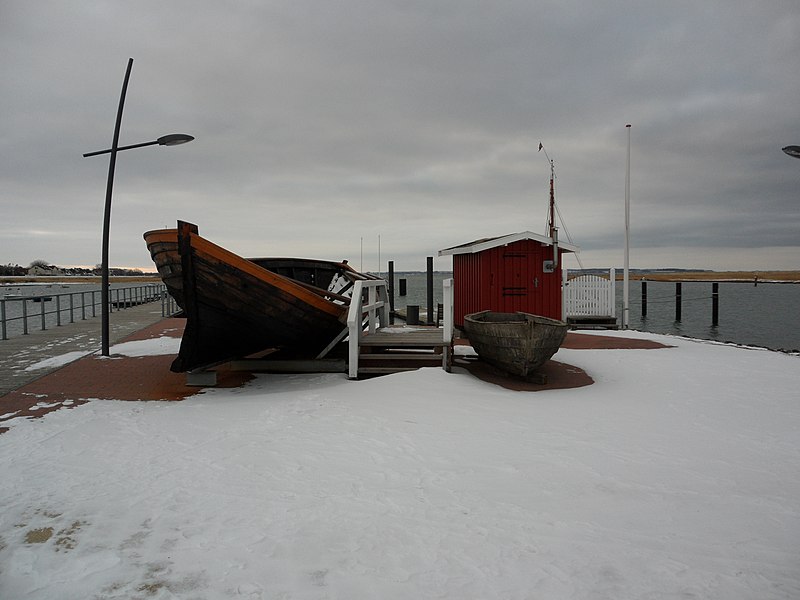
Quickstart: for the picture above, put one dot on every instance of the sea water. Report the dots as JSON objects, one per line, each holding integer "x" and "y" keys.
{"x": 766, "y": 315}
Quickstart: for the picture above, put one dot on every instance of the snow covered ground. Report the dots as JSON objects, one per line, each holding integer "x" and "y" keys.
{"x": 676, "y": 475}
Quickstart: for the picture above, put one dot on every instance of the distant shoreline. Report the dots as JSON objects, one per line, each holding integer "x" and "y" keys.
{"x": 635, "y": 275}
{"x": 715, "y": 276}
{"x": 78, "y": 279}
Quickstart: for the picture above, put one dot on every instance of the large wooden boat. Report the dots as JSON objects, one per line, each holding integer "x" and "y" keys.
{"x": 236, "y": 306}
{"x": 518, "y": 343}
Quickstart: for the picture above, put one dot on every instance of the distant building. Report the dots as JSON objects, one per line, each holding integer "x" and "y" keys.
{"x": 44, "y": 270}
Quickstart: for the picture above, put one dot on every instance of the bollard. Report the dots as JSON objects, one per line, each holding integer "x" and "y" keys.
{"x": 715, "y": 304}
{"x": 402, "y": 286}
{"x": 430, "y": 290}
{"x": 391, "y": 292}
{"x": 678, "y": 297}
{"x": 412, "y": 314}
{"x": 644, "y": 298}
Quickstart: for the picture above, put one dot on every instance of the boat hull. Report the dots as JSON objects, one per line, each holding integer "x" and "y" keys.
{"x": 517, "y": 343}
{"x": 235, "y": 307}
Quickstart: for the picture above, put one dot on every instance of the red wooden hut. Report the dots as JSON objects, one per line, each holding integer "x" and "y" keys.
{"x": 515, "y": 272}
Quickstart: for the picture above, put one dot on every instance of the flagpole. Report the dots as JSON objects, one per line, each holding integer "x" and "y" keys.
{"x": 625, "y": 280}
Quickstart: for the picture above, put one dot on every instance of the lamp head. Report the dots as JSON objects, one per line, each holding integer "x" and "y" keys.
{"x": 792, "y": 151}
{"x": 174, "y": 139}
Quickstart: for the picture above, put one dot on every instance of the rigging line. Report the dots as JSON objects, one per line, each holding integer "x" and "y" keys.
{"x": 569, "y": 237}
{"x": 547, "y": 223}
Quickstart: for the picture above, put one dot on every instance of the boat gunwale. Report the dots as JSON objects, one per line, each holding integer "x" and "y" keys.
{"x": 266, "y": 276}
{"x": 523, "y": 317}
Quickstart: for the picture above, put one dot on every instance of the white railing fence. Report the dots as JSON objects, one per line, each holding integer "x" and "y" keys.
{"x": 372, "y": 314}
{"x": 369, "y": 311}
{"x": 589, "y": 295}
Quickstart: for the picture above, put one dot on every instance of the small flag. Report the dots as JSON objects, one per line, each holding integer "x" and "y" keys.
{"x": 540, "y": 146}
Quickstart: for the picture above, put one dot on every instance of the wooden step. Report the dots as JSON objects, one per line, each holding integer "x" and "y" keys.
{"x": 395, "y": 362}
{"x": 416, "y": 338}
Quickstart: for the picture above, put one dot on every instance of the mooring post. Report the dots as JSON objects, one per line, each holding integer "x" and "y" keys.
{"x": 644, "y": 298}
{"x": 403, "y": 283}
{"x": 391, "y": 292}
{"x": 3, "y": 334}
{"x": 430, "y": 290}
{"x": 678, "y": 301}
{"x": 715, "y": 304}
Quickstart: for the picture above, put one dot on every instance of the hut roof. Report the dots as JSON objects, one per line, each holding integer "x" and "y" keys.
{"x": 504, "y": 240}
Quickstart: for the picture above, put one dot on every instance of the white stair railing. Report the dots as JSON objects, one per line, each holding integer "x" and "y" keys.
{"x": 374, "y": 314}
{"x": 447, "y": 322}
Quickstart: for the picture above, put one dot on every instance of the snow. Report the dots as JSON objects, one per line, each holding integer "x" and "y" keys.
{"x": 57, "y": 361}
{"x": 676, "y": 475}
{"x": 151, "y": 347}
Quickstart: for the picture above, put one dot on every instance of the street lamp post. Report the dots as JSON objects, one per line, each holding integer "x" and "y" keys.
{"x": 172, "y": 139}
{"x": 625, "y": 296}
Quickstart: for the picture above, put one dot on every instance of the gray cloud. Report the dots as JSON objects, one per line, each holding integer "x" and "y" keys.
{"x": 320, "y": 125}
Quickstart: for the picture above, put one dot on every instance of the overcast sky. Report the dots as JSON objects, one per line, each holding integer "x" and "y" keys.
{"x": 323, "y": 126}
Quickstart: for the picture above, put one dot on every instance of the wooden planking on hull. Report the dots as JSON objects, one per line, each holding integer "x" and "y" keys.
{"x": 236, "y": 306}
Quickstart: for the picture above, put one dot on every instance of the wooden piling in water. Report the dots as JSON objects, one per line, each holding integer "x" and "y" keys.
{"x": 714, "y": 304}
{"x": 391, "y": 292}
{"x": 430, "y": 291}
{"x": 644, "y": 298}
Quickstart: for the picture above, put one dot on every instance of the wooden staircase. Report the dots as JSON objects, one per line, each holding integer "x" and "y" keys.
{"x": 374, "y": 348}
{"x": 392, "y": 350}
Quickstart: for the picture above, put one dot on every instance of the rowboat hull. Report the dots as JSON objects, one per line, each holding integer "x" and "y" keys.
{"x": 517, "y": 343}
{"x": 236, "y": 307}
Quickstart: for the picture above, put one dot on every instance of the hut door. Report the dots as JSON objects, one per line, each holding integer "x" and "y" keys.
{"x": 516, "y": 287}
{"x": 524, "y": 283}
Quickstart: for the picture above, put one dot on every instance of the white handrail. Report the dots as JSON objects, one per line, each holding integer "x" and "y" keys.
{"x": 377, "y": 316}
{"x": 447, "y": 307}
{"x": 377, "y": 313}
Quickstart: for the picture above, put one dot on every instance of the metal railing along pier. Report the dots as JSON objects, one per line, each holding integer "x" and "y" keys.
{"x": 21, "y": 313}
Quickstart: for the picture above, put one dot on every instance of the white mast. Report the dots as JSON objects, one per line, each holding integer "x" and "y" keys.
{"x": 625, "y": 296}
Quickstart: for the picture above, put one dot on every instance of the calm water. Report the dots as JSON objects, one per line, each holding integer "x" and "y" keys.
{"x": 766, "y": 315}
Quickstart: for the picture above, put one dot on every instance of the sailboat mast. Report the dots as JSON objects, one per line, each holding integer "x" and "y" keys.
{"x": 552, "y": 201}
{"x": 551, "y": 219}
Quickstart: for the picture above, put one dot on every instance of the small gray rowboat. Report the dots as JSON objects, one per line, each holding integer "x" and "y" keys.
{"x": 518, "y": 343}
